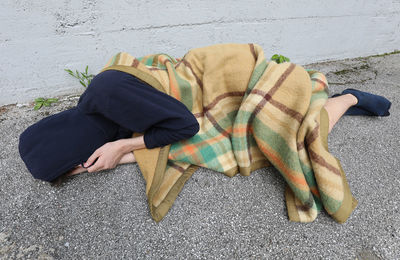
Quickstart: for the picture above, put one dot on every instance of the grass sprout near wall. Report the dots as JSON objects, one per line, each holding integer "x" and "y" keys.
{"x": 84, "y": 78}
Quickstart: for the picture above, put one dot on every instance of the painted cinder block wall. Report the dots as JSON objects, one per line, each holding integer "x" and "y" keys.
{"x": 39, "y": 39}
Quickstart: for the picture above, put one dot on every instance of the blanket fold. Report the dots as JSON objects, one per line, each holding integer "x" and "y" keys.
{"x": 252, "y": 113}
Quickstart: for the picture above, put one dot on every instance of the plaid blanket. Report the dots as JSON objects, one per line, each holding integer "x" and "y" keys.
{"x": 252, "y": 113}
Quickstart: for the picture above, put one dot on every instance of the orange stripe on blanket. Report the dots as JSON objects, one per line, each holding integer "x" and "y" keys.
{"x": 173, "y": 84}
{"x": 299, "y": 180}
{"x": 191, "y": 149}
{"x": 315, "y": 191}
{"x": 319, "y": 86}
{"x": 174, "y": 90}
{"x": 242, "y": 129}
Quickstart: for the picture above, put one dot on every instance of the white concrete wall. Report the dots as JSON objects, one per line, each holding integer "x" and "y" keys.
{"x": 40, "y": 38}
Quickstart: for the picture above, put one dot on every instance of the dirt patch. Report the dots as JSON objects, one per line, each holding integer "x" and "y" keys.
{"x": 5, "y": 108}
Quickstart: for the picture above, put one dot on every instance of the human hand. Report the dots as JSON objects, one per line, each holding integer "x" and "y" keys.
{"x": 126, "y": 158}
{"x": 108, "y": 156}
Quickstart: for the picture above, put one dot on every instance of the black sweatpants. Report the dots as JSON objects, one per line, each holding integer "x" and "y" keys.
{"x": 136, "y": 106}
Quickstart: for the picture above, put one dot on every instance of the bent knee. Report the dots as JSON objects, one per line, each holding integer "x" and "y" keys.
{"x": 104, "y": 82}
{"x": 99, "y": 91}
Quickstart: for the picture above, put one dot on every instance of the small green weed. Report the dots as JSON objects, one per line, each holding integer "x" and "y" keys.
{"x": 39, "y": 102}
{"x": 83, "y": 77}
{"x": 279, "y": 58}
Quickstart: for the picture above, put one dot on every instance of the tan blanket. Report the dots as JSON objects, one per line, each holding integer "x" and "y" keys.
{"x": 252, "y": 113}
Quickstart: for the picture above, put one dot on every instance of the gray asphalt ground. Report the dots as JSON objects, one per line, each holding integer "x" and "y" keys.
{"x": 105, "y": 215}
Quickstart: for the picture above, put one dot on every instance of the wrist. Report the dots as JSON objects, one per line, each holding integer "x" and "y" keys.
{"x": 129, "y": 144}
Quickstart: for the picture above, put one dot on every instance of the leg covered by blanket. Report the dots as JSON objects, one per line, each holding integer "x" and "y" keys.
{"x": 252, "y": 113}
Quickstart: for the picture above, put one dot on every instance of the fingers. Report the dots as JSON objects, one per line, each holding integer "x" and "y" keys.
{"x": 92, "y": 158}
{"x": 98, "y": 166}
{"x": 105, "y": 157}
